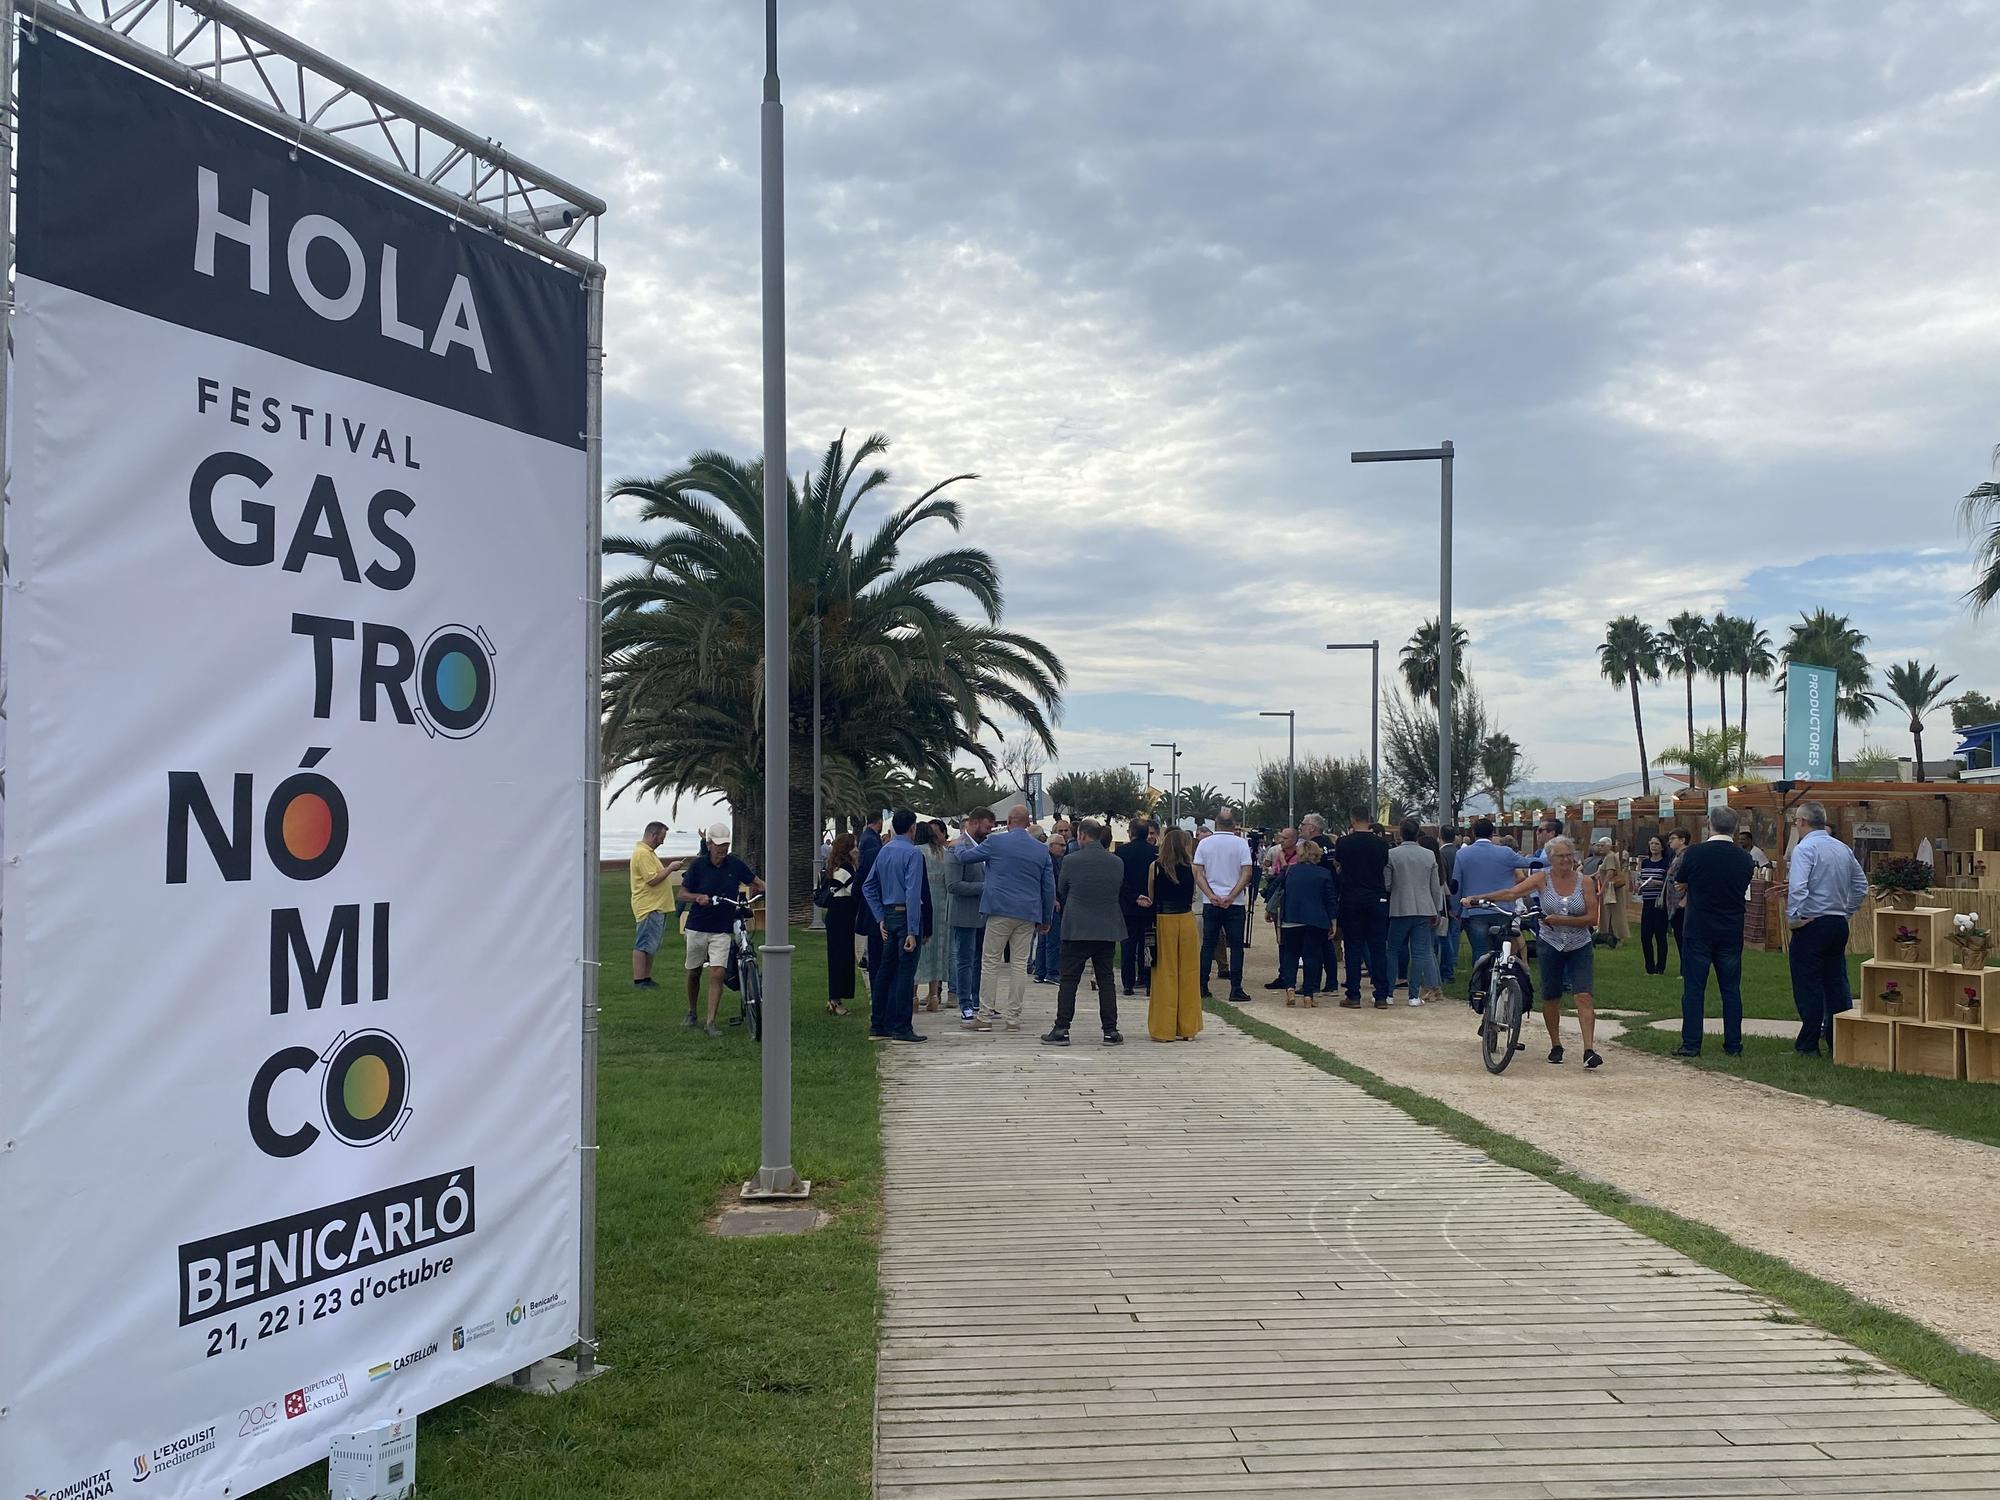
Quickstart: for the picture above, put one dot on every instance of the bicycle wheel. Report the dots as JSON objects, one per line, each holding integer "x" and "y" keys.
{"x": 753, "y": 997}
{"x": 1502, "y": 1028}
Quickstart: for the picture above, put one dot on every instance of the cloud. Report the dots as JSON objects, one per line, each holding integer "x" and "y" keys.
{"x": 1698, "y": 290}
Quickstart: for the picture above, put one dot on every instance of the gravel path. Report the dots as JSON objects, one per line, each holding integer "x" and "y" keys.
{"x": 1901, "y": 1216}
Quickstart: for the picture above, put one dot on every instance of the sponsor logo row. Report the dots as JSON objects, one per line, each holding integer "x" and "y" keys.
{"x": 256, "y": 1420}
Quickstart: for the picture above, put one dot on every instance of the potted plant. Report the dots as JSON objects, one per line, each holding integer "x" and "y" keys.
{"x": 1970, "y": 942}
{"x": 1967, "y": 1009}
{"x": 1906, "y": 940}
{"x": 1897, "y": 881}
{"x": 1891, "y": 998}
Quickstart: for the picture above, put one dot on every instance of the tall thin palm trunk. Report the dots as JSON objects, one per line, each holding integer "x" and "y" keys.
{"x": 1639, "y": 728}
{"x": 1690, "y": 688}
{"x": 1917, "y": 735}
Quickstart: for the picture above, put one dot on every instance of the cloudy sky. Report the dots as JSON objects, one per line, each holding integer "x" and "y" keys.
{"x": 1704, "y": 295}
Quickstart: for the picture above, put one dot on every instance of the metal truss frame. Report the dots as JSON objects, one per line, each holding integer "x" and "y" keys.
{"x": 250, "y": 68}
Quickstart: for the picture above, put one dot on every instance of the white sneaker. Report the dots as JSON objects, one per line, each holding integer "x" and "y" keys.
{"x": 1416, "y": 999}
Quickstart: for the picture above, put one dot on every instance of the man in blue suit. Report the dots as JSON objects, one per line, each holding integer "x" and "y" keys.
{"x": 1019, "y": 900}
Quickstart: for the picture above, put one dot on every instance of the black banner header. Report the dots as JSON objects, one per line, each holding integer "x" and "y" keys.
{"x": 139, "y": 195}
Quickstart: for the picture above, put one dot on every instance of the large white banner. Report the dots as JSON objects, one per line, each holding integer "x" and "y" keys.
{"x": 289, "y": 987}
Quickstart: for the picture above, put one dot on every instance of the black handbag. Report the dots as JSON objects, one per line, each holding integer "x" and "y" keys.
{"x": 823, "y": 894}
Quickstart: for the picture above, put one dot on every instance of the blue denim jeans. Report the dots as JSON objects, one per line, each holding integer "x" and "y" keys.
{"x": 892, "y": 990}
{"x": 1700, "y": 953}
{"x": 1047, "y": 960}
{"x": 966, "y": 945}
{"x": 1412, "y": 955}
{"x": 1447, "y": 947}
{"x": 1479, "y": 933}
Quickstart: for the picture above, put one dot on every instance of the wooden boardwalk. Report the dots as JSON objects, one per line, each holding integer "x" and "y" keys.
{"x": 1208, "y": 1269}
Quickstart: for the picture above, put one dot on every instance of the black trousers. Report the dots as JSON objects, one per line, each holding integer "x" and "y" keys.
{"x": 840, "y": 950}
{"x": 1288, "y": 956}
{"x": 1364, "y": 933}
{"x": 1678, "y": 922}
{"x": 1096, "y": 953}
{"x": 1220, "y": 923}
{"x": 1818, "y": 956}
{"x": 1313, "y": 948}
{"x": 1136, "y": 975}
{"x": 1653, "y": 936}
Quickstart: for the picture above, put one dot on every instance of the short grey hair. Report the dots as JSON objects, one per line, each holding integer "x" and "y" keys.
{"x": 1562, "y": 843}
{"x": 1812, "y": 814}
{"x": 1312, "y": 823}
{"x": 1722, "y": 819}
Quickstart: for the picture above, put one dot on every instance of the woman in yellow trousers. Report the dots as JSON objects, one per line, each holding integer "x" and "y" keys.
{"x": 1173, "y": 1010}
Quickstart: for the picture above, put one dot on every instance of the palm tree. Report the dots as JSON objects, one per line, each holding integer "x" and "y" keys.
{"x": 1981, "y": 510}
{"x": 1631, "y": 651}
{"x": 1725, "y": 640}
{"x": 1916, "y": 689}
{"x": 1716, "y": 756}
{"x": 909, "y": 684}
{"x": 1501, "y": 763}
{"x": 1199, "y": 800}
{"x": 1683, "y": 650}
{"x": 1822, "y": 639}
{"x": 1752, "y": 658}
{"x": 1420, "y": 660}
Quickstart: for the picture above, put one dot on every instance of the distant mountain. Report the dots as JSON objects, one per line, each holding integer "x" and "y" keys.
{"x": 1566, "y": 792}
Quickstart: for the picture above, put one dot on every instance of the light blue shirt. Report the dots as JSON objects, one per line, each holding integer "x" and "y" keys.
{"x": 1483, "y": 866}
{"x": 1825, "y": 879}
{"x": 1020, "y": 876}
{"x": 897, "y": 879}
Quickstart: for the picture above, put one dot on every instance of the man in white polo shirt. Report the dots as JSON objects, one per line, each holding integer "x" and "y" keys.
{"x": 1223, "y": 870}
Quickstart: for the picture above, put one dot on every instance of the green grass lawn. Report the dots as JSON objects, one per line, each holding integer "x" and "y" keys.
{"x": 1971, "y": 1110}
{"x": 740, "y": 1368}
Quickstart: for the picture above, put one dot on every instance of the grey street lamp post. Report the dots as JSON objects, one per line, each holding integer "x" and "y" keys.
{"x": 1291, "y": 718}
{"x": 1443, "y": 454}
{"x": 1173, "y": 779}
{"x": 1374, "y": 650}
{"x": 775, "y": 1176}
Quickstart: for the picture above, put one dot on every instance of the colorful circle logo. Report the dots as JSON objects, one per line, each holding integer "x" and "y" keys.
{"x": 455, "y": 680}
{"x": 305, "y": 826}
{"x": 367, "y": 1087}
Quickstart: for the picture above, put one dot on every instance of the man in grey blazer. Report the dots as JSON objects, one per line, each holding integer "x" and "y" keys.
{"x": 1093, "y": 923}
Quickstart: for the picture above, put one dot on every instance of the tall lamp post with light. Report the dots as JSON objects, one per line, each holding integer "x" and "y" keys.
{"x": 1374, "y": 650}
{"x": 1291, "y": 718}
{"x": 775, "y": 1176}
{"x": 1443, "y": 455}
{"x": 1173, "y": 779}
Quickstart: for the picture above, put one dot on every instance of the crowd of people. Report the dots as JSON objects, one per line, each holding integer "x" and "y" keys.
{"x": 984, "y": 913}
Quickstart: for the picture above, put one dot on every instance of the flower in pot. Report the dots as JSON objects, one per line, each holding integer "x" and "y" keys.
{"x": 1897, "y": 881}
{"x": 1906, "y": 940}
{"x": 1967, "y": 1008}
{"x": 1891, "y": 997}
{"x": 1970, "y": 942}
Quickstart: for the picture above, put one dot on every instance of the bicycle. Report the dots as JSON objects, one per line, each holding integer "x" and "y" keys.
{"x": 1509, "y": 988}
{"x": 749, "y": 976}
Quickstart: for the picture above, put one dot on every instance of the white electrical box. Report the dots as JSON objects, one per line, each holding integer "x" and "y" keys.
{"x": 376, "y": 1463}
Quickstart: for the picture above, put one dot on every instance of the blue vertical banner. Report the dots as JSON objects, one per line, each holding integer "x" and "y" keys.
{"x": 1811, "y": 694}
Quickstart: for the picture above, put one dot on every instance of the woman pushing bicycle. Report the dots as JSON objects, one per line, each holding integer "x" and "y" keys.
{"x": 1563, "y": 944}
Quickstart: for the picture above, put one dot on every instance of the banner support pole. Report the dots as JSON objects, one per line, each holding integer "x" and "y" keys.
{"x": 593, "y": 437}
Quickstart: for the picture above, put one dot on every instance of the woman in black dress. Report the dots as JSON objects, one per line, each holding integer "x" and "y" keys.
{"x": 841, "y": 896}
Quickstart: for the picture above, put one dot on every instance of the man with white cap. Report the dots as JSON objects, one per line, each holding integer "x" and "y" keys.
{"x": 715, "y": 873}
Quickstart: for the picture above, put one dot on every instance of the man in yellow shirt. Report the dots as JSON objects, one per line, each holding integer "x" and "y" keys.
{"x": 652, "y": 900}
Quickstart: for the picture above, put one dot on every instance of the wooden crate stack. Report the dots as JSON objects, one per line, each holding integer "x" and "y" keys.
{"x": 1919, "y": 1012}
